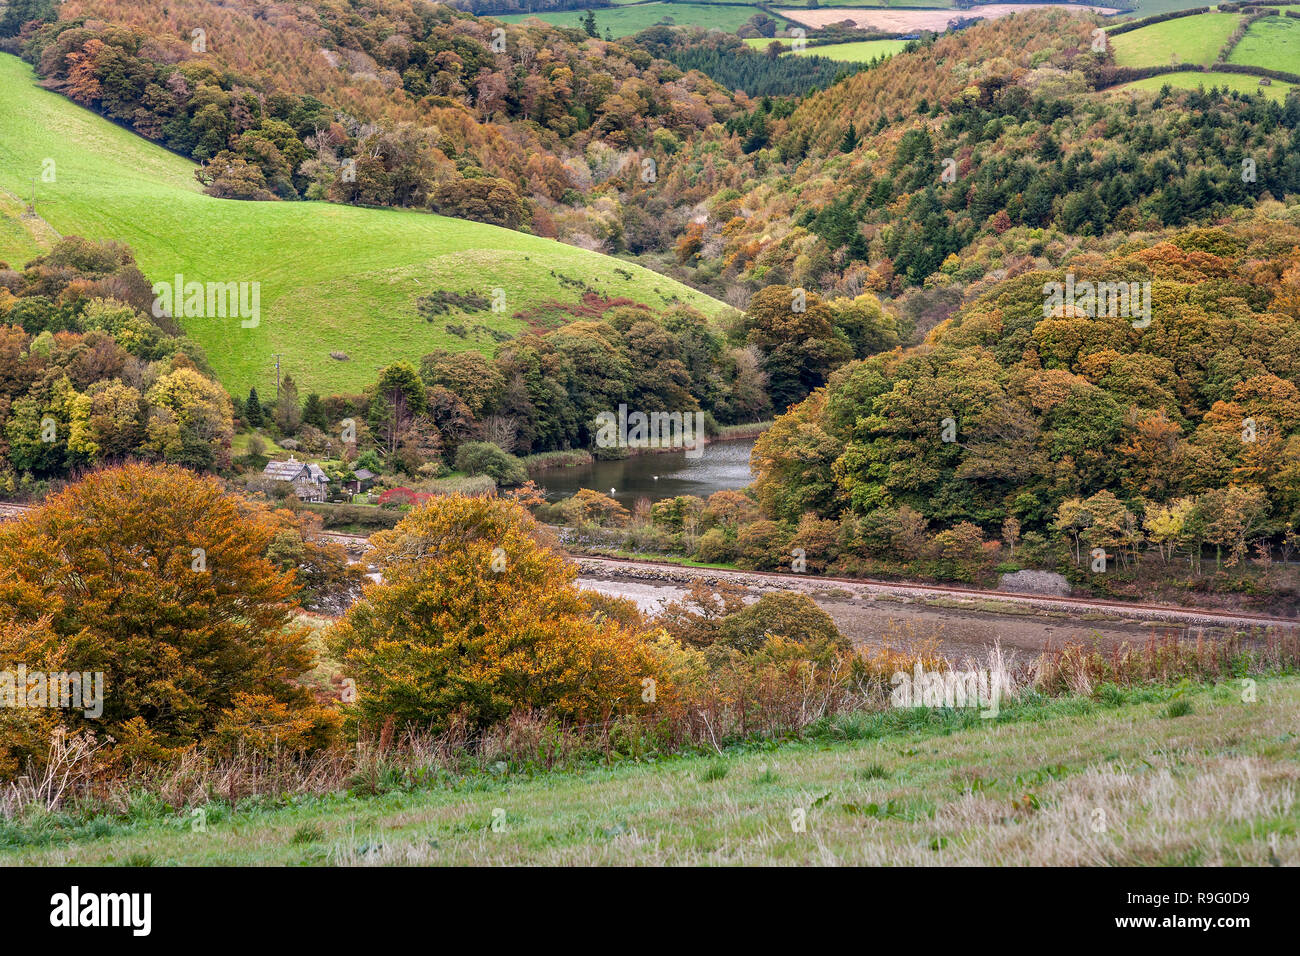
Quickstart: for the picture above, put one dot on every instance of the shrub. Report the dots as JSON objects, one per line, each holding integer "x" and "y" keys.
{"x": 476, "y": 618}
{"x": 485, "y": 458}
{"x": 783, "y": 614}
{"x": 714, "y": 548}
{"x": 762, "y": 545}
{"x": 592, "y": 509}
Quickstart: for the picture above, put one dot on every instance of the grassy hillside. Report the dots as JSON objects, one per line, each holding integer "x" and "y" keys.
{"x": 1194, "y": 40}
{"x": 623, "y": 21}
{"x": 1273, "y": 42}
{"x": 1140, "y": 779}
{"x": 855, "y": 51}
{"x": 861, "y": 51}
{"x": 1197, "y": 80}
{"x": 333, "y": 278}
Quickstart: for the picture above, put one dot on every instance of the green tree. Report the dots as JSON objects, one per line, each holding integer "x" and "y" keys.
{"x": 253, "y": 410}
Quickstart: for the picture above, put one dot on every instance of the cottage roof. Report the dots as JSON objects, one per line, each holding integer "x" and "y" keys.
{"x": 289, "y": 470}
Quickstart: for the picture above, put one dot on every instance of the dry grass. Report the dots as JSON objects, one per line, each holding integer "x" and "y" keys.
{"x": 1063, "y": 782}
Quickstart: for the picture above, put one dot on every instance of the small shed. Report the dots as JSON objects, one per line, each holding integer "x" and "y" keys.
{"x": 362, "y": 480}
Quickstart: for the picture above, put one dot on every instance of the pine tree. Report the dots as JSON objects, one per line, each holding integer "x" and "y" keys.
{"x": 313, "y": 412}
{"x": 589, "y": 24}
{"x": 850, "y": 141}
{"x": 253, "y": 410}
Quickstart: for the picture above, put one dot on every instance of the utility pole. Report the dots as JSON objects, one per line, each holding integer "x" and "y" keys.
{"x": 277, "y": 376}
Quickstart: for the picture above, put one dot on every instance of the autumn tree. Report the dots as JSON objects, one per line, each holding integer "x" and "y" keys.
{"x": 476, "y": 618}
{"x": 799, "y": 343}
{"x": 157, "y": 578}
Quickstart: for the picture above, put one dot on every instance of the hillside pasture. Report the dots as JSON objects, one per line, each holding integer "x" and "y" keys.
{"x": 860, "y": 51}
{"x": 1193, "y": 40}
{"x": 1211, "y": 782}
{"x": 1273, "y": 42}
{"x": 1191, "y": 80}
{"x": 333, "y": 278}
{"x": 626, "y": 20}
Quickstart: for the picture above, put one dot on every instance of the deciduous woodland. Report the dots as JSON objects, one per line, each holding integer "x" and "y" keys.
{"x": 991, "y": 303}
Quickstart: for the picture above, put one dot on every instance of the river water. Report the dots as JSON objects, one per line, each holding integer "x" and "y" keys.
{"x": 722, "y": 466}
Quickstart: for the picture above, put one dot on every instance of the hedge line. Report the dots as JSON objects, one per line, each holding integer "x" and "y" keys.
{"x": 1109, "y": 76}
{"x": 1155, "y": 18}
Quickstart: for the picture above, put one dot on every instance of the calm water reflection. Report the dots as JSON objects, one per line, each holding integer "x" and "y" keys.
{"x": 724, "y": 465}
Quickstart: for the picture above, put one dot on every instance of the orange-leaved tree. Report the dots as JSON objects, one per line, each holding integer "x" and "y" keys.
{"x": 155, "y": 577}
{"x": 476, "y": 617}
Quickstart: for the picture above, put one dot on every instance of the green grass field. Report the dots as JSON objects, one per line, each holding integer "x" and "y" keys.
{"x": 1191, "y": 81}
{"x": 333, "y": 278}
{"x": 1273, "y": 42}
{"x": 875, "y": 4}
{"x": 1133, "y": 781}
{"x": 861, "y": 51}
{"x": 858, "y": 51}
{"x": 1194, "y": 40}
{"x": 625, "y": 20}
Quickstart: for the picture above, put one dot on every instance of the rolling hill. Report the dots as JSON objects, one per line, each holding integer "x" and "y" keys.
{"x": 334, "y": 279}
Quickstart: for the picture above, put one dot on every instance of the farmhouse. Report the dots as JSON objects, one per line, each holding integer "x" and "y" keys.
{"x": 308, "y": 480}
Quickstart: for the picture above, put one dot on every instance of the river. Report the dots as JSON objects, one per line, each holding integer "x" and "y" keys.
{"x": 723, "y": 465}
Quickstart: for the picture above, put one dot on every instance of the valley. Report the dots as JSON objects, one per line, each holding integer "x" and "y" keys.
{"x": 498, "y": 433}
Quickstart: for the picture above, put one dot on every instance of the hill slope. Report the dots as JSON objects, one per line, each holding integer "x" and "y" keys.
{"x": 1063, "y": 783}
{"x": 333, "y": 278}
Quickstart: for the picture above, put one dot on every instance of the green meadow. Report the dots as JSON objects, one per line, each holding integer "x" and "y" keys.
{"x": 333, "y": 278}
{"x": 1273, "y": 42}
{"x": 860, "y": 51}
{"x": 624, "y": 20}
{"x": 1195, "y": 40}
{"x": 1196, "y": 80}
{"x": 856, "y": 51}
{"x": 1192, "y": 776}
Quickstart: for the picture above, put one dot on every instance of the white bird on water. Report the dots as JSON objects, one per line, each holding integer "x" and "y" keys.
{"x": 611, "y": 491}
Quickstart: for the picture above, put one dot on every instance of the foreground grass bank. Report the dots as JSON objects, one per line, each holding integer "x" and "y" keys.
{"x": 1190, "y": 776}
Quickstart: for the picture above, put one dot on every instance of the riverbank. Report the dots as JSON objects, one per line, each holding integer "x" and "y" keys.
{"x": 581, "y": 457}
{"x": 963, "y": 622}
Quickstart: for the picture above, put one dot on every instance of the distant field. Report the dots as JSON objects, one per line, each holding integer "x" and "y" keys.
{"x": 911, "y": 21}
{"x": 862, "y": 51}
{"x": 885, "y": 4}
{"x": 1273, "y": 42}
{"x": 859, "y": 51}
{"x": 1191, "y": 81}
{"x": 625, "y": 20}
{"x": 333, "y": 278}
{"x": 1194, "y": 40}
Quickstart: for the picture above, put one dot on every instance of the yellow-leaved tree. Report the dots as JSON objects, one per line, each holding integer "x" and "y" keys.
{"x": 476, "y": 617}
{"x": 159, "y": 580}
